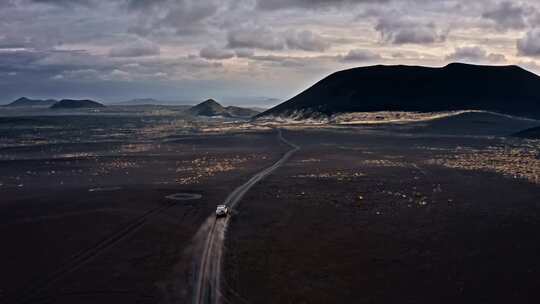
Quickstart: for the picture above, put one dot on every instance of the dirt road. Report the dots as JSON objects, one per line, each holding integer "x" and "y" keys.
{"x": 209, "y": 240}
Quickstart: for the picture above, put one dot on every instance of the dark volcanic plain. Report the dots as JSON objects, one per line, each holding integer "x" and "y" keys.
{"x": 367, "y": 216}
{"x": 85, "y": 218}
{"x": 418, "y": 213}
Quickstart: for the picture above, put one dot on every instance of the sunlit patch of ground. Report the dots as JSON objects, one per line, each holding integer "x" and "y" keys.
{"x": 338, "y": 175}
{"x": 75, "y": 155}
{"x": 390, "y": 117}
{"x": 361, "y": 118}
{"x": 193, "y": 171}
{"x": 522, "y": 161}
{"x": 235, "y": 127}
{"x": 105, "y": 167}
{"x": 164, "y": 129}
{"x": 136, "y": 148}
{"x": 310, "y": 160}
{"x": 384, "y": 163}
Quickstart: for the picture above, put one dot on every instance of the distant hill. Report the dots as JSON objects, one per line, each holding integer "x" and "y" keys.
{"x": 208, "y": 107}
{"x": 144, "y": 102}
{"x": 258, "y": 109}
{"x": 505, "y": 89}
{"x": 532, "y": 133}
{"x": 76, "y": 104}
{"x": 211, "y": 107}
{"x": 27, "y": 102}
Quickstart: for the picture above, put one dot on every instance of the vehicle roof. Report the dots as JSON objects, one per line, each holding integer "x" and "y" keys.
{"x": 221, "y": 206}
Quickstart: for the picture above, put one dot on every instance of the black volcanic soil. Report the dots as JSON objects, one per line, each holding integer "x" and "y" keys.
{"x": 359, "y": 217}
{"x": 99, "y": 228}
{"x": 76, "y": 104}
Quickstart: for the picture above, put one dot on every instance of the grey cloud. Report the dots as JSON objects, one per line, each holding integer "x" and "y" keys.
{"x": 286, "y": 4}
{"x": 212, "y": 52}
{"x": 7, "y": 3}
{"x": 144, "y": 4}
{"x": 361, "y": 55}
{"x": 529, "y": 45}
{"x": 475, "y": 54}
{"x": 307, "y": 41}
{"x": 41, "y": 66}
{"x": 284, "y": 61}
{"x": 262, "y": 38}
{"x": 12, "y": 61}
{"x": 244, "y": 53}
{"x": 214, "y": 30}
{"x": 135, "y": 49}
{"x": 13, "y": 42}
{"x": 257, "y": 38}
{"x": 66, "y": 3}
{"x": 188, "y": 16}
{"x": 405, "y": 31}
{"x": 508, "y": 15}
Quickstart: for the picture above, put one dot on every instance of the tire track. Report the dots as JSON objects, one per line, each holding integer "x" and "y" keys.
{"x": 33, "y": 290}
{"x": 211, "y": 236}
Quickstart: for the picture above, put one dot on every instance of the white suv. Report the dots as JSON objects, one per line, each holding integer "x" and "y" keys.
{"x": 222, "y": 210}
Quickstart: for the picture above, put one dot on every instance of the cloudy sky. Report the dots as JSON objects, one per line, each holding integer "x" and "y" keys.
{"x": 243, "y": 51}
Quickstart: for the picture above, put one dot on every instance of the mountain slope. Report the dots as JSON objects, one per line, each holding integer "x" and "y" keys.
{"x": 76, "y": 104}
{"x": 212, "y": 108}
{"x": 474, "y": 124}
{"x": 532, "y": 133}
{"x": 505, "y": 89}
{"x": 27, "y": 102}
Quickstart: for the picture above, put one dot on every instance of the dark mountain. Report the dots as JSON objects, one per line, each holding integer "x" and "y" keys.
{"x": 76, "y": 104}
{"x": 505, "y": 89}
{"x": 533, "y": 133}
{"x": 27, "y": 102}
{"x": 212, "y": 108}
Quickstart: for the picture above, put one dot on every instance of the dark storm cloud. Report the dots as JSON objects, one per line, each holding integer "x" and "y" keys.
{"x": 475, "y": 54}
{"x": 509, "y": 15}
{"x": 406, "y": 31}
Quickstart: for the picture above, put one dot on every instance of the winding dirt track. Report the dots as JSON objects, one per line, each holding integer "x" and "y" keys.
{"x": 209, "y": 240}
